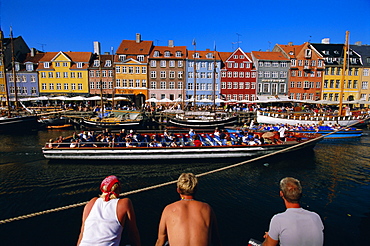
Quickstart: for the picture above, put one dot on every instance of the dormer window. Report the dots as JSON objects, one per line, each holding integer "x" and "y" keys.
{"x": 79, "y": 64}
{"x": 17, "y": 67}
{"x": 291, "y": 53}
{"x": 167, "y": 54}
{"x": 209, "y": 55}
{"x": 196, "y": 55}
{"x": 96, "y": 63}
{"x": 325, "y": 52}
{"x": 122, "y": 57}
{"x": 178, "y": 54}
{"x": 336, "y": 52}
{"x": 140, "y": 58}
{"x": 46, "y": 65}
{"x": 108, "y": 63}
{"x": 29, "y": 67}
{"x": 156, "y": 53}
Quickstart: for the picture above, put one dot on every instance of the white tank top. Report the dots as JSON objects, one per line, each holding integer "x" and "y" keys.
{"x": 102, "y": 226}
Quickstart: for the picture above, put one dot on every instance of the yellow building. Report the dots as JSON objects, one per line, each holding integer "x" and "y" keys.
{"x": 131, "y": 63}
{"x": 64, "y": 73}
{"x": 334, "y": 83}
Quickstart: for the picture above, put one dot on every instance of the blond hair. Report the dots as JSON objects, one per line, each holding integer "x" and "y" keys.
{"x": 187, "y": 183}
{"x": 115, "y": 188}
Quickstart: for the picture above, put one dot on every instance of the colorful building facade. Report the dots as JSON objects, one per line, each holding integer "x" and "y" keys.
{"x": 64, "y": 73}
{"x": 238, "y": 77}
{"x": 306, "y": 70}
{"x": 167, "y": 72}
{"x": 131, "y": 69}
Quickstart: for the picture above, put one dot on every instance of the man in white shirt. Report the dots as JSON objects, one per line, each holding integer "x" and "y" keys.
{"x": 295, "y": 226}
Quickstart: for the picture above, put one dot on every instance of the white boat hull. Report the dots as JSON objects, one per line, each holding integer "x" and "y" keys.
{"x": 276, "y": 118}
{"x": 167, "y": 153}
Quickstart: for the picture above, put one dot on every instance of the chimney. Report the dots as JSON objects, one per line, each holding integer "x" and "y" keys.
{"x": 138, "y": 38}
{"x": 358, "y": 43}
{"x": 33, "y": 52}
{"x": 325, "y": 41}
{"x": 290, "y": 43}
{"x": 170, "y": 43}
{"x": 96, "y": 47}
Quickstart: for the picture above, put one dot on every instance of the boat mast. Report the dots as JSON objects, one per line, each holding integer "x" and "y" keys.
{"x": 195, "y": 75}
{"x": 114, "y": 80}
{"x": 101, "y": 86}
{"x": 2, "y": 57}
{"x": 13, "y": 70}
{"x": 345, "y": 48}
{"x": 214, "y": 80}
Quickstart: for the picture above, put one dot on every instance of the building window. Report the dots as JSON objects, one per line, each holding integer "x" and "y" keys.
{"x": 167, "y": 53}
{"x": 153, "y": 74}
{"x": 66, "y": 86}
{"x": 163, "y": 63}
{"x": 172, "y": 74}
{"x": 131, "y": 70}
{"x": 143, "y": 83}
{"x": 124, "y": 69}
{"x": 80, "y": 87}
{"x": 163, "y": 74}
{"x": 51, "y": 86}
{"x": 163, "y": 85}
{"x": 172, "y": 63}
{"x": 137, "y": 70}
{"x": 180, "y": 63}
{"x": 156, "y": 53}
{"x": 178, "y": 54}
{"x": 140, "y": 58}
{"x": 153, "y": 63}
{"x": 79, "y": 64}
{"x": 172, "y": 85}
{"x": 180, "y": 74}
{"x": 46, "y": 65}
{"x": 96, "y": 63}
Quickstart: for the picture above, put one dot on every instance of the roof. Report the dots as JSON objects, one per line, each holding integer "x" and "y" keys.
{"x": 291, "y": 50}
{"x": 224, "y": 55}
{"x": 203, "y": 54}
{"x": 270, "y": 56}
{"x": 131, "y": 47}
{"x": 172, "y": 50}
{"x": 364, "y": 52}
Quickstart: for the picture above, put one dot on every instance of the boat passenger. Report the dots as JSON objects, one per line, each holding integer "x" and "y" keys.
{"x": 197, "y": 142}
{"x": 191, "y": 133}
{"x": 105, "y": 217}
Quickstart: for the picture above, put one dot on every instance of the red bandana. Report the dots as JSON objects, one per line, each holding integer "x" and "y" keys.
{"x": 109, "y": 182}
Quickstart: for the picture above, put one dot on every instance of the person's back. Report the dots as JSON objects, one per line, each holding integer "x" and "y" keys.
{"x": 188, "y": 222}
{"x": 297, "y": 226}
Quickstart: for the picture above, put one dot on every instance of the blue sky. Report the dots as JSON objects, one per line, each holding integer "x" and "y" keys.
{"x": 258, "y": 25}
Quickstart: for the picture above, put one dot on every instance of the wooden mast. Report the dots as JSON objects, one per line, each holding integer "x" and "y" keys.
{"x": 214, "y": 80}
{"x": 195, "y": 75}
{"x": 13, "y": 70}
{"x": 2, "y": 57}
{"x": 345, "y": 50}
{"x": 114, "y": 79}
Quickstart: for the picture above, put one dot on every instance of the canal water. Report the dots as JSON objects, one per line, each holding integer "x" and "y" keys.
{"x": 335, "y": 178}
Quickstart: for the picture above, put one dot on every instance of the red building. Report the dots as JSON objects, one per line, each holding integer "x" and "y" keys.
{"x": 238, "y": 76}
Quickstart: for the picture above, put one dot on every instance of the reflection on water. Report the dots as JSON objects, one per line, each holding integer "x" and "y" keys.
{"x": 335, "y": 178}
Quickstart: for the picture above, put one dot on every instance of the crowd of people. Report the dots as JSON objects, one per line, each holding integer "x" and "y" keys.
{"x": 190, "y": 221}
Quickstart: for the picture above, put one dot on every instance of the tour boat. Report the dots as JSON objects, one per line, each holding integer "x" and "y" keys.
{"x": 157, "y": 147}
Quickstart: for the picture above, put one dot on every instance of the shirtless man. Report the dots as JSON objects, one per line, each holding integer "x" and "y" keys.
{"x": 188, "y": 222}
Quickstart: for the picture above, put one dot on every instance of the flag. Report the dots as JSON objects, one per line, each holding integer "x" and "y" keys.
{"x": 11, "y": 32}
{"x": 215, "y": 46}
{"x": 194, "y": 43}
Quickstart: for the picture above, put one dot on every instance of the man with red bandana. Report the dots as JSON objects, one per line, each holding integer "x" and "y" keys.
{"x": 104, "y": 218}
